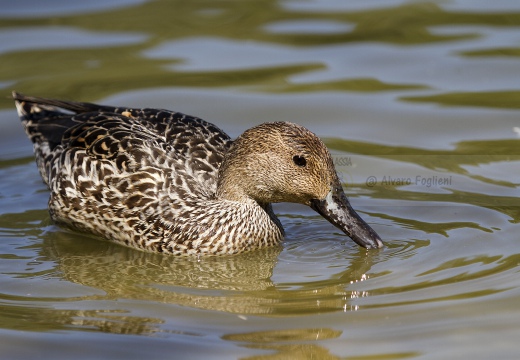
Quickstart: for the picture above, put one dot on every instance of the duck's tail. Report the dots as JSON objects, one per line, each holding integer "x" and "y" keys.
{"x": 45, "y": 122}
{"x": 40, "y": 107}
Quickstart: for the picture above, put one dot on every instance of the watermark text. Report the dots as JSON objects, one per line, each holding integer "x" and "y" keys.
{"x": 418, "y": 180}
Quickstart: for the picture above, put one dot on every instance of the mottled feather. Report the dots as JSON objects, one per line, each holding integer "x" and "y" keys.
{"x": 163, "y": 181}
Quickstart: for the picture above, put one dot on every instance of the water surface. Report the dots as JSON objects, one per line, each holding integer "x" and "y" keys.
{"x": 417, "y": 101}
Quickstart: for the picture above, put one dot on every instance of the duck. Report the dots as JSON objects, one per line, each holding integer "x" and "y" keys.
{"x": 166, "y": 182}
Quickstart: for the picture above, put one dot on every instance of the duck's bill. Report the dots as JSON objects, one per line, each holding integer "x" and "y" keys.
{"x": 337, "y": 210}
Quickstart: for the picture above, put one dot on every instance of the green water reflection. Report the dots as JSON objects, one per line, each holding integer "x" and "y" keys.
{"x": 88, "y": 73}
{"x": 494, "y": 99}
{"x": 235, "y": 284}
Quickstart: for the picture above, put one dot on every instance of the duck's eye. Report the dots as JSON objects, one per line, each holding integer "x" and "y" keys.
{"x": 299, "y": 160}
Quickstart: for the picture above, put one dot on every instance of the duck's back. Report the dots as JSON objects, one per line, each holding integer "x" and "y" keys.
{"x": 121, "y": 163}
{"x": 127, "y": 139}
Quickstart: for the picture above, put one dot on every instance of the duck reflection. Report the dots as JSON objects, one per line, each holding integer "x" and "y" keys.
{"x": 47, "y": 319}
{"x": 240, "y": 284}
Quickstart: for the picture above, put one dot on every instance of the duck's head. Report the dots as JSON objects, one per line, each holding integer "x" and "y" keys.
{"x": 285, "y": 162}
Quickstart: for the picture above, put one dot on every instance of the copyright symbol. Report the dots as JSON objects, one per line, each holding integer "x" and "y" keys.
{"x": 371, "y": 181}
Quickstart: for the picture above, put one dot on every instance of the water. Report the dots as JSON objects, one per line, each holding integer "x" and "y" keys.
{"x": 417, "y": 101}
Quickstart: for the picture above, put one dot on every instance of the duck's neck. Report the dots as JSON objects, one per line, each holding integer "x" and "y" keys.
{"x": 227, "y": 191}
{"x": 269, "y": 211}
{"x": 254, "y": 222}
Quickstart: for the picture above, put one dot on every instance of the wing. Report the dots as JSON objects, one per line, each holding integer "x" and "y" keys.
{"x": 108, "y": 131}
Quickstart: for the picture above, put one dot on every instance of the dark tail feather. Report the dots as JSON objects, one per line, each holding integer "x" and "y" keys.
{"x": 46, "y": 120}
{"x": 31, "y": 104}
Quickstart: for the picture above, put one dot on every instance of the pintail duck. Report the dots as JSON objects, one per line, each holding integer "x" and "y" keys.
{"x": 163, "y": 181}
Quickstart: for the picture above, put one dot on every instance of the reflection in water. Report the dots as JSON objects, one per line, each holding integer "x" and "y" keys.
{"x": 490, "y": 99}
{"x": 293, "y": 351}
{"x": 44, "y": 319}
{"x": 288, "y": 344}
{"x": 285, "y": 343}
{"x": 85, "y": 74}
{"x": 236, "y": 284}
{"x": 284, "y": 335}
